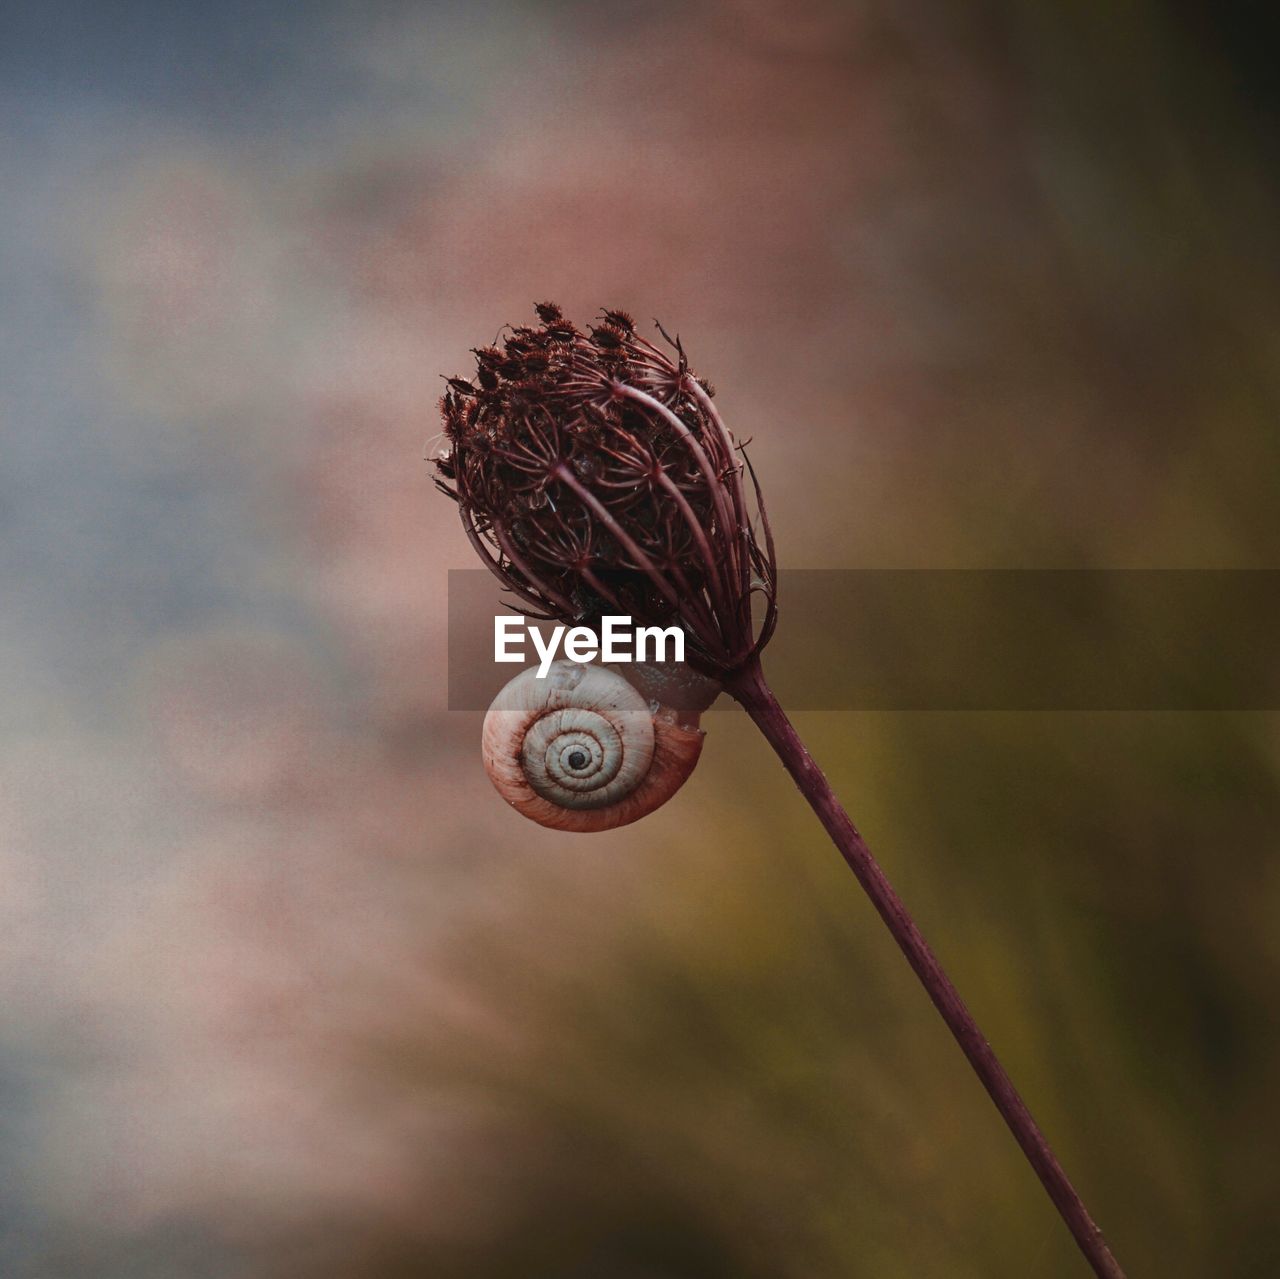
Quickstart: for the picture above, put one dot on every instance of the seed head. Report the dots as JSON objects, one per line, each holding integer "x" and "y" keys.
{"x": 594, "y": 475}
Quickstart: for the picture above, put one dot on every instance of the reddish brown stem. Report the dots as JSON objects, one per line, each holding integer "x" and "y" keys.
{"x": 749, "y": 688}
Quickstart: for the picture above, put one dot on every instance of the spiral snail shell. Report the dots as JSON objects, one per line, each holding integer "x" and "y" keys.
{"x": 583, "y": 749}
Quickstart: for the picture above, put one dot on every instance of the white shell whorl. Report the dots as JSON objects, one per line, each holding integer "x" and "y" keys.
{"x": 583, "y": 750}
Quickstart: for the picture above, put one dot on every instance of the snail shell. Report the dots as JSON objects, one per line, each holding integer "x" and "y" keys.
{"x": 583, "y": 750}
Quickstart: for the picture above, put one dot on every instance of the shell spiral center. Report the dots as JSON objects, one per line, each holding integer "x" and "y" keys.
{"x": 579, "y": 757}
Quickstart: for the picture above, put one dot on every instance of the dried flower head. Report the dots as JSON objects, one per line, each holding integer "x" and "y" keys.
{"x": 594, "y": 475}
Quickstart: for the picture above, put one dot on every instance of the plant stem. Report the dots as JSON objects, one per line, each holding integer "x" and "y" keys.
{"x": 749, "y": 688}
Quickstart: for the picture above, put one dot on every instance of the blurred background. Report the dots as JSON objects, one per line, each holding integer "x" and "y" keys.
{"x": 285, "y": 991}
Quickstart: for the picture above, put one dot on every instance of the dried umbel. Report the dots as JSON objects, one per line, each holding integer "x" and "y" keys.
{"x": 594, "y": 475}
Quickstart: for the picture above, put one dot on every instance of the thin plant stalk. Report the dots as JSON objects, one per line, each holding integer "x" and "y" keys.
{"x": 751, "y": 690}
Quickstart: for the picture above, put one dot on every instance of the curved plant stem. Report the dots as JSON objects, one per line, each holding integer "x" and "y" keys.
{"x": 749, "y": 688}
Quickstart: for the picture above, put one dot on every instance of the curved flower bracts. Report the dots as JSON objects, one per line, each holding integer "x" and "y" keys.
{"x": 594, "y": 475}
